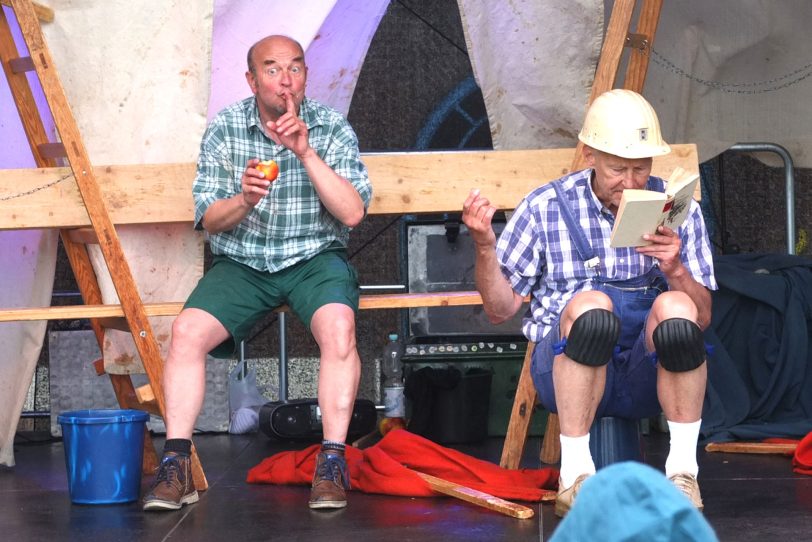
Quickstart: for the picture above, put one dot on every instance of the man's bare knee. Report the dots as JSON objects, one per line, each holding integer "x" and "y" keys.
{"x": 674, "y": 305}
{"x": 334, "y": 331}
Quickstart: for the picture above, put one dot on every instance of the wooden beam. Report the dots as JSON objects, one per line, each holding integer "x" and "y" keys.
{"x": 134, "y": 194}
{"x": 520, "y": 415}
{"x": 609, "y": 61}
{"x": 44, "y": 13}
{"x": 23, "y": 98}
{"x": 99, "y": 311}
{"x": 639, "y": 58}
{"x": 476, "y": 497}
{"x": 551, "y": 444}
{"x": 403, "y": 183}
{"x": 752, "y": 447}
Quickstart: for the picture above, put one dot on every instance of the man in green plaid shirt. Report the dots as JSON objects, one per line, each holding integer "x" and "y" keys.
{"x": 275, "y": 241}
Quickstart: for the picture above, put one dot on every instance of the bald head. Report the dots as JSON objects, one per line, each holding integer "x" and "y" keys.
{"x": 271, "y": 39}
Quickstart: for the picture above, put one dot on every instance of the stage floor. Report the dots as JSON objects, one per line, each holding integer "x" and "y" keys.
{"x": 747, "y": 497}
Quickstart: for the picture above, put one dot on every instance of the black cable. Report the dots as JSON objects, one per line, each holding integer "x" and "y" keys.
{"x": 427, "y": 23}
{"x": 374, "y": 237}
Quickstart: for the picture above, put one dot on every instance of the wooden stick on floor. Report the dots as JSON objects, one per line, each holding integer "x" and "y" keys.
{"x": 477, "y": 497}
{"x": 752, "y": 447}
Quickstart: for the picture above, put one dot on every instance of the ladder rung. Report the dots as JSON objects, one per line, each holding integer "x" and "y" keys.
{"x": 86, "y": 236}
{"x": 144, "y": 394}
{"x": 21, "y": 65}
{"x": 119, "y": 323}
{"x": 52, "y": 150}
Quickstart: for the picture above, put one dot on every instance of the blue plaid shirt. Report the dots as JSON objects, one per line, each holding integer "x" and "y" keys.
{"x": 538, "y": 257}
{"x": 290, "y": 224}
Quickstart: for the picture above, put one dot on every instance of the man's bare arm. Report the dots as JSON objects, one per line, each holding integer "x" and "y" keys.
{"x": 499, "y": 300}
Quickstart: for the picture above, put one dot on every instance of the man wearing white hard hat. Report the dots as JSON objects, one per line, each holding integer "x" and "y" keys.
{"x": 618, "y": 330}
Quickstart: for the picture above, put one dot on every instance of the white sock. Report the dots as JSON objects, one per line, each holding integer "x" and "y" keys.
{"x": 576, "y": 459}
{"x": 682, "y": 455}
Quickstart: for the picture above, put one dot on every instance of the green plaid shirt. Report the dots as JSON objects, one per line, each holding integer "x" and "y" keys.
{"x": 290, "y": 224}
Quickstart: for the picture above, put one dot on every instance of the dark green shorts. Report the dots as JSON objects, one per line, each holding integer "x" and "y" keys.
{"x": 239, "y": 296}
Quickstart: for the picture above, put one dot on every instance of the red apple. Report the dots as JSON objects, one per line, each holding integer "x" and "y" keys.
{"x": 269, "y": 169}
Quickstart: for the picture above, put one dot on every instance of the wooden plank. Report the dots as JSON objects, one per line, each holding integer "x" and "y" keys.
{"x": 402, "y": 183}
{"x": 133, "y": 194}
{"x": 414, "y": 300}
{"x": 639, "y": 58}
{"x": 752, "y": 447}
{"x": 71, "y": 312}
{"x": 551, "y": 445}
{"x": 606, "y": 72}
{"x": 476, "y": 497}
{"x": 405, "y": 183}
{"x": 23, "y": 99}
{"x": 44, "y": 13}
{"x": 99, "y": 311}
{"x": 519, "y": 424}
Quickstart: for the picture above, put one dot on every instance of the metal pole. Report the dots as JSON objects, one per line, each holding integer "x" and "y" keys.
{"x": 789, "y": 180}
{"x": 283, "y": 359}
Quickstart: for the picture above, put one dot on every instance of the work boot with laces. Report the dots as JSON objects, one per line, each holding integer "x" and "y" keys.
{"x": 330, "y": 481}
{"x": 688, "y": 486}
{"x": 173, "y": 486}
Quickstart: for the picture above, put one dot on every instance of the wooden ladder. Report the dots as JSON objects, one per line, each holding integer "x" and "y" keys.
{"x": 618, "y": 36}
{"x": 71, "y": 147}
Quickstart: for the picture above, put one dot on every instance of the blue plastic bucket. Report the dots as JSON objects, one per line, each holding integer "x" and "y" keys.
{"x": 612, "y": 440}
{"x": 104, "y": 450}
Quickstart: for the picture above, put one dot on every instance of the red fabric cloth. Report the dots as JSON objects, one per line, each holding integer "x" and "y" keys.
{"x": 802, "y": 458}
{"x": 382, "y": 468}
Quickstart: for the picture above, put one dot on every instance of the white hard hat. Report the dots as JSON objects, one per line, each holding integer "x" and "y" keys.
{"x": 622, "y": 123}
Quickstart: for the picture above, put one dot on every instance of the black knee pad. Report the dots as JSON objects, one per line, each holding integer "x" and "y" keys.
{"x": 679, "y": 345}
{"x": 593, "y": 337}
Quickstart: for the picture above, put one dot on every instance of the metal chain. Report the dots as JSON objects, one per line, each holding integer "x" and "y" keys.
{"x": 37, "y": 189}
{"x": 737, "y": 88}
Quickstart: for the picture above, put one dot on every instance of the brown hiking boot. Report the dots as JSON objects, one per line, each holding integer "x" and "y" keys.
{"x": 330, "y": 481}
{"x": 173, "y": 486}
{"x": 688, "y": 486}
{"x": 566, "y": 497}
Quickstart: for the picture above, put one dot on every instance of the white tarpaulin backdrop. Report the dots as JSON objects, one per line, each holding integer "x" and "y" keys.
{"x": 534, "y": 62}
{"x": 749, "y": 63}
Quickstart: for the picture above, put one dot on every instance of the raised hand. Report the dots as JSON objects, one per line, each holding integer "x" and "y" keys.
{"x": 289, "y": 130}
{"x": 477, "y": 214}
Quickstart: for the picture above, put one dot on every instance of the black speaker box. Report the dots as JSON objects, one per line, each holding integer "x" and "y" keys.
{"x": 300, "y": 419}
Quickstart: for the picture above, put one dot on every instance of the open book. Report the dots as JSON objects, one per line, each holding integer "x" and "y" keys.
{"x": 643, "y": 211}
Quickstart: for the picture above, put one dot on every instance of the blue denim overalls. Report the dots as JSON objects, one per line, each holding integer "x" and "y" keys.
{"x": 631, "y": 376}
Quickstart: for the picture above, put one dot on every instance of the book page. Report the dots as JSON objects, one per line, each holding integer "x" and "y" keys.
{"x": 639, "y": 212}
{"x": 679, "y": 204}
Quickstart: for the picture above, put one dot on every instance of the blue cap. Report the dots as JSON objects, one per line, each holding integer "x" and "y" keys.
{"x": 632, "y": 501}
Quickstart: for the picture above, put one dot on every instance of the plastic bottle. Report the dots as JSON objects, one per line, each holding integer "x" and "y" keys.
{"x": 392, "y": 369}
